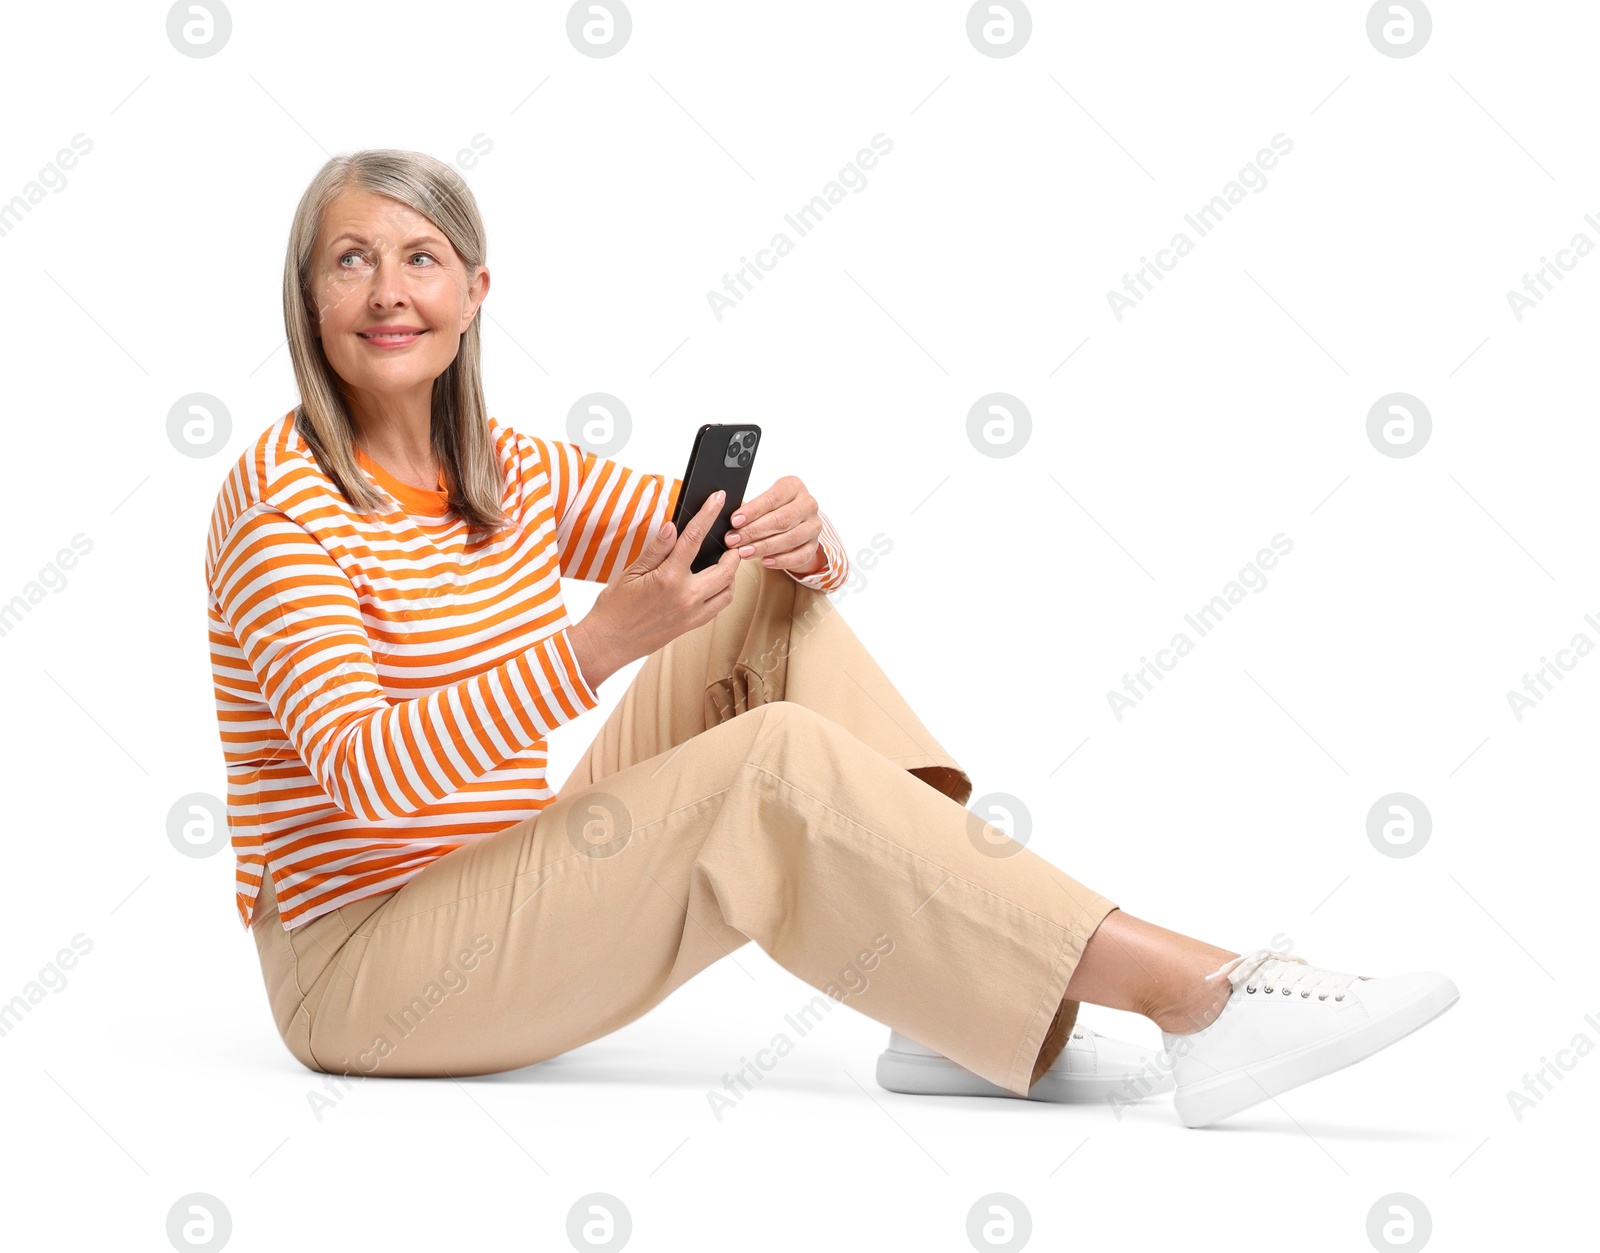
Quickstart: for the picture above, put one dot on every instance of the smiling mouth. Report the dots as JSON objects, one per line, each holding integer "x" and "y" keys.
{"x": 392, "y": 338}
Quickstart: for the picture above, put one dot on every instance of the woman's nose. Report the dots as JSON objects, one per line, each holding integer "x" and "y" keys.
{"x": 389, "y": 280}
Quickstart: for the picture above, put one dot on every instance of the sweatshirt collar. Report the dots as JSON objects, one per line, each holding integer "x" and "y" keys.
{"x": 432, "y": 502}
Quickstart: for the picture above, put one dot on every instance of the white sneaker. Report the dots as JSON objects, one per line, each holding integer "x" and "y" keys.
{"x": 1090, "y": 1067}
{"x": 1287, "y": 1022}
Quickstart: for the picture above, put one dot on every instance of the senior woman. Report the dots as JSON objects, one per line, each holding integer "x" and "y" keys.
{"x": 390, "y": 653}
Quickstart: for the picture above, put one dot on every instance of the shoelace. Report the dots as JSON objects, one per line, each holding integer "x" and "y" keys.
{"x": 1267, "y": 971}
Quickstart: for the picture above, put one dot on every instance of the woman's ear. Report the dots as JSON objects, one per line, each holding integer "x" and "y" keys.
{"x": 477, "y": 289}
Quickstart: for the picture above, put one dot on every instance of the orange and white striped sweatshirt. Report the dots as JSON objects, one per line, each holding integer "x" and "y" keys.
{"x": 385, "y": 687}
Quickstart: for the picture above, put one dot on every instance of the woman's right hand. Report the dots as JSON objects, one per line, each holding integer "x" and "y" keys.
{"x": 655, "y": 600}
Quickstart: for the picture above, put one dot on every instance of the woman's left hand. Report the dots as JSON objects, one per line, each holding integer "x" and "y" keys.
{"x": 781, "y": 527}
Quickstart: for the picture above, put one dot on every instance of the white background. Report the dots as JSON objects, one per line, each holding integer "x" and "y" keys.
{"x": 1229, "y": 406}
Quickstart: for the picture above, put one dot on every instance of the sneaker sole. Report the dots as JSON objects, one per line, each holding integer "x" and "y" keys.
{"x": 920, "y": 1075}
{"x": 1221, "y": 1096}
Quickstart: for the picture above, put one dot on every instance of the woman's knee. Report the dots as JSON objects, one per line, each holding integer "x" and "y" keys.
{"x": 770, "y": 718}
{"x": 788, "y": 717}
{"x": 797, "y": 740}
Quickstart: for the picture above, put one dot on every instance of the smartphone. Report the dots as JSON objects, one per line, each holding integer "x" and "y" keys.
{"x": 720, "y": 458}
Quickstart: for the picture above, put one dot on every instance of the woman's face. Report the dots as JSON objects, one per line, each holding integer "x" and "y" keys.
{"x": 378, "y": 264}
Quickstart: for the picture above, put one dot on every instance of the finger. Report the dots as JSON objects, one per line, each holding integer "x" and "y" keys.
{"x": 751, "y": 507}
{"x": 784, "y": 541}
{"x": 707, "y": 513}
{"x": 659, "y": 548}
{"x": 716, "y": 578}
{"x": 780, "y": 493}
{"x": 696, "y": 529}
{"x": 788, "y": 517}
{"x": 796, "y": 558}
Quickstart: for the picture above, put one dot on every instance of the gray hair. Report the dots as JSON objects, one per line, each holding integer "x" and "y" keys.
{"x": 459, "y": 429}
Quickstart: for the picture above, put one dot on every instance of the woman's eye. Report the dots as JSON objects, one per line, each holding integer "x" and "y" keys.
{"x": 414, "y": 256}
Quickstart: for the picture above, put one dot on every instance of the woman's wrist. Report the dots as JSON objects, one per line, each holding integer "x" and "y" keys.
{"x": 593, "y": 657}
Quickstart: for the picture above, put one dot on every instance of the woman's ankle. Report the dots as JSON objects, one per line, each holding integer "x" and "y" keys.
{"x": 1193, "y": 1002}
{"x": 1132, "y": 964}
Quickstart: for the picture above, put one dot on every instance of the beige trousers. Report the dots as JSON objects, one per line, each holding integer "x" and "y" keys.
{"x": 761, "y": 780}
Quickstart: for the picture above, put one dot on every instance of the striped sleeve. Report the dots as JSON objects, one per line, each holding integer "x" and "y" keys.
{"x": 605, "y": 513}
{"x": 297, "y": 619}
